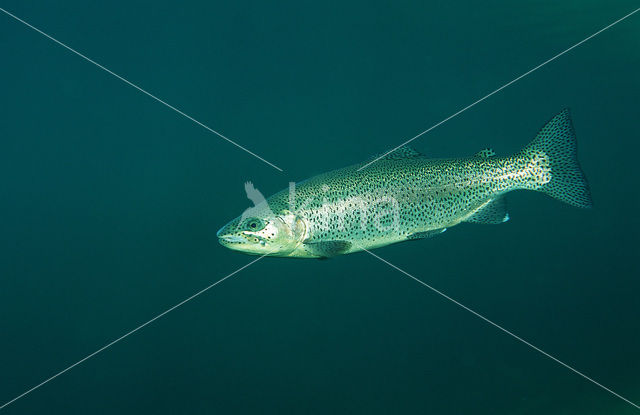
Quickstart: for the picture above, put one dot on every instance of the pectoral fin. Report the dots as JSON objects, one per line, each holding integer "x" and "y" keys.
{"x": 327, "y": 249}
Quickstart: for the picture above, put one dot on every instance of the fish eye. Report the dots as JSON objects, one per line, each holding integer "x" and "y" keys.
{"x": 254, "y": 224}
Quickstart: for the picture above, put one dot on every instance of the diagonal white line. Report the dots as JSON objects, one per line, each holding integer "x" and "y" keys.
{"x": 131, "y": 332}
{"x": 206, "y": 127}
{"x": 496, "y": 325}
{"x": 501, "y": 88}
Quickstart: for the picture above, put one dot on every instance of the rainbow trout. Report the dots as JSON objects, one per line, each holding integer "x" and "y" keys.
{"x": 406, "y": 196}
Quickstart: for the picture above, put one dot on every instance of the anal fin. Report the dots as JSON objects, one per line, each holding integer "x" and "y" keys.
{"x": 492, "y": 212}
{"x": 426, "y": 234}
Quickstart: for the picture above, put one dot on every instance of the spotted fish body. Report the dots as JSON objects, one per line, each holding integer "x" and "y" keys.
{"x": 405, "y": 196}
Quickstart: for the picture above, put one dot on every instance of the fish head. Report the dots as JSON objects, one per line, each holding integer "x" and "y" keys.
{"x": 262, "y": 232}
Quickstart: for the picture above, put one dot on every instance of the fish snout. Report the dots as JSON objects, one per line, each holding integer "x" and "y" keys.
{"x": 223, "y": 235}
{"x": 228, "y": 235}
{"x": 222, "y": 232}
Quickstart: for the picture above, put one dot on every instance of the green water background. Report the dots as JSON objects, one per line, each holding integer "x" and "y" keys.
{"x": 110, "y": 203}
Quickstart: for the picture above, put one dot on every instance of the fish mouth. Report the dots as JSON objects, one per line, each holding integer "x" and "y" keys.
{"x": 234, "y": 242}
{"x": 226, "y": 238}
{"x": 242, "y": 243}
{"x": 231, "y": 238}
{"x": 237, "y": 241}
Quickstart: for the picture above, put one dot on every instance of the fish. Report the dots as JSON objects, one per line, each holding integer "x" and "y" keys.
{"x": 406, "y": 196}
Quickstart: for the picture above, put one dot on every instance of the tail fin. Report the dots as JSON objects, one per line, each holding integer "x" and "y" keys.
{"x": 563, "y": 179}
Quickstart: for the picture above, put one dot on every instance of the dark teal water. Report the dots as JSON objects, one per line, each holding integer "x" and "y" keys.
{"x": 110, "y": 204}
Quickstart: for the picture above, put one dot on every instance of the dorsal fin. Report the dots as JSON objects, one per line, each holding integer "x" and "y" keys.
{"x": 404, "y": 152}
{"x": 485, "y": 153}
